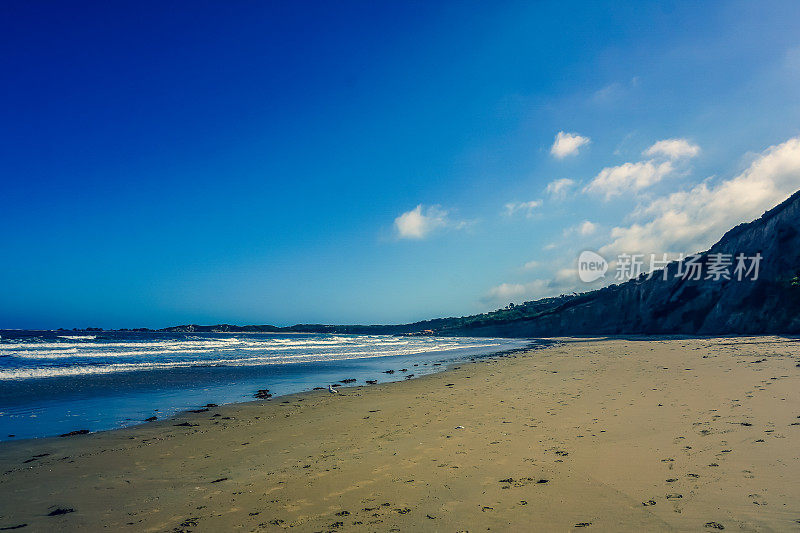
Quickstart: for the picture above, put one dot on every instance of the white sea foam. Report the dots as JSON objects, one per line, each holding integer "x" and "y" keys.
{"x": 39, "y": 358}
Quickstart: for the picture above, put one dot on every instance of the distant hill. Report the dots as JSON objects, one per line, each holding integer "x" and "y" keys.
{"x": 770, "y": 304}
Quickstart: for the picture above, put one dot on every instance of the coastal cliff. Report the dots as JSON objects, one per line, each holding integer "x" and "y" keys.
{"x": 770, "y": 304}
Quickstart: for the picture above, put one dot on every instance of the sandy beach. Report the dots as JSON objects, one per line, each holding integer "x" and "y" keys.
{"x": 600, "y": 434}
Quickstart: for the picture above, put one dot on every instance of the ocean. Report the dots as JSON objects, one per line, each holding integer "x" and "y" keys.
{"x": 54, "y": 382}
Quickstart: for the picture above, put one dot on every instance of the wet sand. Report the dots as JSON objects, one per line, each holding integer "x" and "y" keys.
{"x": 598, "y": 434}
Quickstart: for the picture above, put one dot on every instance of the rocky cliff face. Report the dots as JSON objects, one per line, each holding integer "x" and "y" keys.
{"x": 771, "y": 304}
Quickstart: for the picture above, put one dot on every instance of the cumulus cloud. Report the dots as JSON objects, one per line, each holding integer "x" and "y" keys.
{"x": 583, "y": 229}
{"x": 506, "y": 292}
{"x": 686, "y": 222}
{"x": 673, "y": 149}
{"x": 559, "y": 188}
{"x": 522, "y": 207}
{"x": 613, "y": 181}
{"x": 567, "y": 144}
{"x": 421, "y": 221}
{"x": 692, "y": 220}
{"x": 587, "y": 228}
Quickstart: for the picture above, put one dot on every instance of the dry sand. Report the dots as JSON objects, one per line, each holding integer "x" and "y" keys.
{"x": 603, "y": 434}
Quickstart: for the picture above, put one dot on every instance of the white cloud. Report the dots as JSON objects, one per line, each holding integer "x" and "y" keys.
{"x": 506, "y": 292}
{"x": 567, "y": 144}
{"x": 692, "y": 220}
{"x": 673, "y": 149}
{"x": 421, "y": 222}
{"x": 566, "y": 276}
{"x": 587, "y": 228}
{"x": 530, "y": 265}
{"x": 559, "y": 188}
{"x": 525, "y": 207}
{"x": 608, "y": 93}
{"x": 612, "y": 181}
{"x": 583, "y": 229}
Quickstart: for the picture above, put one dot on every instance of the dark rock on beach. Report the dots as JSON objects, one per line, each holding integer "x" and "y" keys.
{"x": 60, "y": 511}
{"x": 76, "y": 432}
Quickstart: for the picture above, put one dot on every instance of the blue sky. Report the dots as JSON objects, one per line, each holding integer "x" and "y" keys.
{"x": 373, "y": 162}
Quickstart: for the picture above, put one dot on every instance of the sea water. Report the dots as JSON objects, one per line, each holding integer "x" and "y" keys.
{"x": 54, "y": 382}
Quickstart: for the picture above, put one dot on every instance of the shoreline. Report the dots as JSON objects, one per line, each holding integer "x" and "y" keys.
{"x": 597, "y": 419}
{"x": 535, "y": 344}
{"x": 99, "y": 401}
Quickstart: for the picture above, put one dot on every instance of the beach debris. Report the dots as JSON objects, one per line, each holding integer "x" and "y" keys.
{"x": 76, "y": 432}
{"x": 331, "y": 389}
{"x": 714, "y": 525}
{"x": 220, "y": 479}
{"x": 459, "y": 427}
{"x": 263, "y": 394}
{"x": 60, "y": 511}
{"x": 185, "y": 424}
{"x": 371, "y": 382}
{"x": 583, "y": 524}
{"x": 649, "y": 503}
{"x": 543, "y": 481}
{"x": 318, "y": 388}
{"x": 343, "y": 513}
